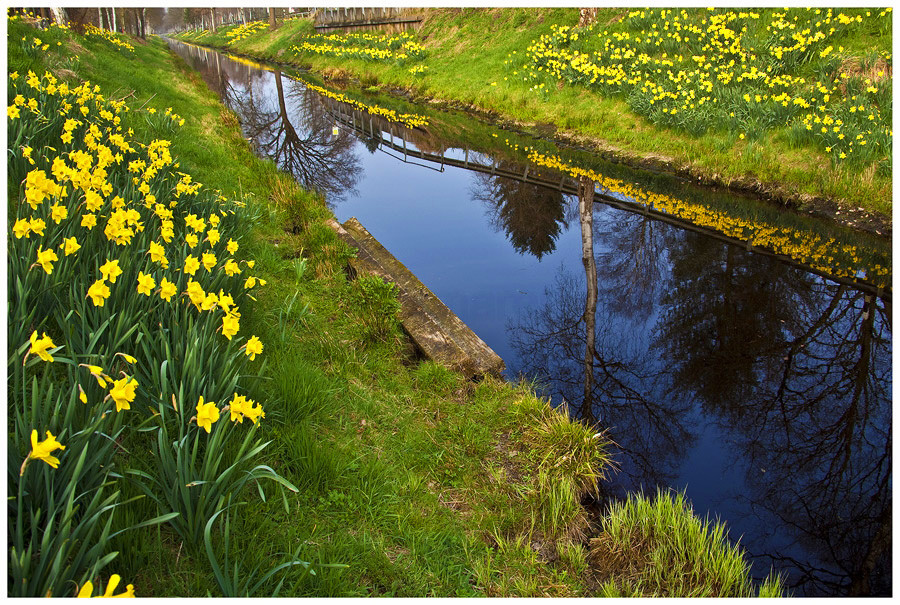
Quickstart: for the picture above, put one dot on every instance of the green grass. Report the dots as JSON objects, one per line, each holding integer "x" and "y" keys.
{"x": 658, "y": 548}
{"x": 461, "y": 68}
{"x": 413, "y": 482}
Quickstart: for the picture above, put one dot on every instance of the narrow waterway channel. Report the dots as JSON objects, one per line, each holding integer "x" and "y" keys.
{"x": 735, "y": 352}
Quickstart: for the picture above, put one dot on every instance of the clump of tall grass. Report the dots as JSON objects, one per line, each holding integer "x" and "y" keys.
{"x": 572, "y": 459}
{"x": 658, "y": 548}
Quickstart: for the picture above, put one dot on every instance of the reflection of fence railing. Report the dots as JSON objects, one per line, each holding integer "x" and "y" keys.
{"x": 363, "y": 15}
{"x": 366, "y": 125}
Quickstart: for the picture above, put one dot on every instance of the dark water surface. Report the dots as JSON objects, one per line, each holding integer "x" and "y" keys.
{"x": 758, "y": 384}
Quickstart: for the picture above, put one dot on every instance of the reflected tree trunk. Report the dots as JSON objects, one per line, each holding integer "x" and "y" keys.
{"x": 586, "y": 214}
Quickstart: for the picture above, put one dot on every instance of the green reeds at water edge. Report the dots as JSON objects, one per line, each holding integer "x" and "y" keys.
{"x": 659, "y": 548}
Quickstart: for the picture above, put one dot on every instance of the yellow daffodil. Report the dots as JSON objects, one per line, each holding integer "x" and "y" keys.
{"x": 70, "y": 245}
{"x": 209, "y": 260}
{"x": 40, "y": 345}
{"x": 253, "y": 347}
{"x": 231, "y": 246}
{"x": 167, "y": 289}
{"x": 110, "y": 270}
{"x": 146, "y": 283}
{"x": 98, "y": 292}
{"x": 191, "y": 264}
{"x": 196, "y": 293}
{"x": 22, "y": 228}
{"x": 46, "y": 258}
{"x": 37, "y": 226}
{"x": 87, "y": 591}
{"x": 232, "y": 268}
{"x": 230, "y": 324}
{"x": 123, "y": 392}
{"x": 42, "y": 450}
{"x": 97, "y": 372}
{"x": 89, "y": 221}
{"x": 207, "y": 414}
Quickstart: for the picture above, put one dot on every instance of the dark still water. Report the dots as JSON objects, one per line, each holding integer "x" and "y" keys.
{"x": 734, "y": 352}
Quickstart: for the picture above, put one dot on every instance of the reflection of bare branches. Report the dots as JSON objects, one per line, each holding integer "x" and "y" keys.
{"x": 631, "y": 268}
{"x": 837, "y": 448}
{"x": 651, "y": 431}
{"x": 531, "y": 215}
{"x": 798, "y": 372}
{"x": 317, "y": 158}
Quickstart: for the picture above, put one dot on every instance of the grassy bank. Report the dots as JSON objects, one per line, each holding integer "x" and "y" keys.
{"x": 534, "y": 66}
{"x": 399, "y": 477}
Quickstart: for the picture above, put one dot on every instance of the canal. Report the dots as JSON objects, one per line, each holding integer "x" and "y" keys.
{"x": 734, "y": 351}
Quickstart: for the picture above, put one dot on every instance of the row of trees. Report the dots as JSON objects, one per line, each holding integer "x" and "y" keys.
{"x": 212, "y": 18}
{"x": 142, "y": 21}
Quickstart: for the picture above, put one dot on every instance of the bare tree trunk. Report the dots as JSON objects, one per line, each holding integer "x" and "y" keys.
{"x": 59, "y": 15}
{"x": 142, "y": 13}
{"x": 586, "y": 213}
{"x": 272, "y": 23}
{"x": 115, "y": 26}
{"x": 212, "y": 20}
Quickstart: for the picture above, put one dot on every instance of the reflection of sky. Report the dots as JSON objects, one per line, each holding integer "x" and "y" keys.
{"x": 428, "y": 220}
{"x": 431, "y": 223}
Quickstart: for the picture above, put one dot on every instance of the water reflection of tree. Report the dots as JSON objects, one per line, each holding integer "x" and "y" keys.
{"x": 633, "y": 266}
{"x": 821, "y": 434}
{"x": 531, "y": 215}
{"x": 797, "y": 372}
{"x": 594, "y": 359}
{"x": 306, "y": 147}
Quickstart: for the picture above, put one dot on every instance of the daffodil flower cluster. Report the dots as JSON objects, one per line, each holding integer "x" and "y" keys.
{"x": 696, "y": 70}
{"x": 366, "y": 46}
{"x": 245, "y": 31}
{"x": 408, "y": 119}
{"x": 91, "y": 31}
{"x": 823, "y": 254}
{"x": 111, "y": 246}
